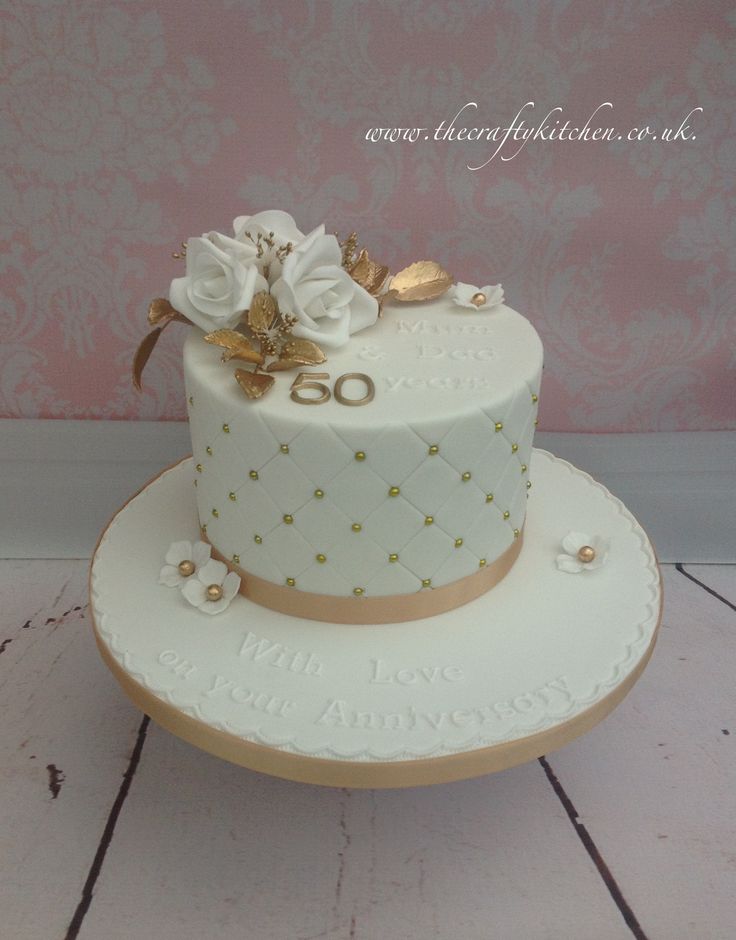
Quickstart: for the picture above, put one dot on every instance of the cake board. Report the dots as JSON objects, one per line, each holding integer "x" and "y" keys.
{"x": 519, "y": 672}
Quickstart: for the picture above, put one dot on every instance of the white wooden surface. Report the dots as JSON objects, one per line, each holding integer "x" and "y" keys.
{"x": 113, "y": 828}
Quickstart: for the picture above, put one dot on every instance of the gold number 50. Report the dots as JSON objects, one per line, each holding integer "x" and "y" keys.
{"x": 305, "y": 381}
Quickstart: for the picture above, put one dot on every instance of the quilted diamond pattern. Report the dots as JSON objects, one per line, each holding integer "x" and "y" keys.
{"x": 443, "y": 468}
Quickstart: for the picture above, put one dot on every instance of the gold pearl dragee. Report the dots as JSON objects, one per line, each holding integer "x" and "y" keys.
{"x": 258, "y": 539}
{"x": 434, "y": 449}
{"x": 232, "y": 496}
{"x": 236, "y": 559}
{"x": 458, "y": 543}
{"x": 466, "y": 476}
{"x": 524, "y": 468}
{"x": 506, "y": 514}
{"x": 489, "y": 497}
{"x": 516, "y": 533}
{"x": 216, "y": 514}
{"x": 528, "y": 484}
{"x": 226, "y": 428}
{"x": 288, "y": 519}
{"x": 586, "y": 554}
{"x": 356, "y": 527}
{"x": 360, "y": 455}
{"x": 321, "y": 558}
{"x": 253, "y": 474}
{"x": 478, "y": 299}
{"x": 186, "y": 568}
{"x": 394, "y": 491}
{"x": 291, "y": 582}
{"x": 498, "y": 426}
{"x": 358, "y": 591}
{"x": 514, "y": 448}
{"x": 393, "y": 557}
{"x": 482, "y": 563}
{"x": 428, "y": 520}
{"x": 535, "y": 398}
{"x": 319, "y": 494}
{"x": 214, "y": 592}
{"x": 208, "y": 449}
{"x": 198, "y": 468}
{"x": 284, "y": 448}
{"x": 426, "y": 582}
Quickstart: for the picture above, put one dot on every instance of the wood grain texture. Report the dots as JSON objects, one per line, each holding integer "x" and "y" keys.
{"x": 204, "y": 846}
{"x": 656, "y": 782}
{"x": 66, "y": 735}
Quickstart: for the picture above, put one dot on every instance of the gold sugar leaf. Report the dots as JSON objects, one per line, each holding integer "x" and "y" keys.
{"x": 254, "y": 384}
{"x": 303, "y": 352}
{"x": 263, "y": 312}
{"x": 282, "y": 365}
{"x": 143, "y": 354}
{"x": 423, "y": 280}
{"x": 160, "y": 311}
{"x": 368, "y": 273}
{"x": 234, "y": 346}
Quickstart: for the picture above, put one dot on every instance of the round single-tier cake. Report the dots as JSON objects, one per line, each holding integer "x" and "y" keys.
{"x": 385, "y": 484}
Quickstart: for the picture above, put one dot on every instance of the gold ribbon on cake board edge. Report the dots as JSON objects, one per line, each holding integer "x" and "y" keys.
{"x": 321, "y": 771}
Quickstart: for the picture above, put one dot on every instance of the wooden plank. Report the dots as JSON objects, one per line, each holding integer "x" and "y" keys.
{"x": 67, "y": 734}
{"x": 670, "y": 481}
{"x": 655, "y": 784}
{"x": 205, "y": 847}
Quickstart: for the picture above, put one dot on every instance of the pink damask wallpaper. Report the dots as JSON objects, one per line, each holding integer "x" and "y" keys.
{"x": 128, "y": 126}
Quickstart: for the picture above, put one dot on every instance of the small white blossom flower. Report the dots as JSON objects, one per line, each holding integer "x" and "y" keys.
{"x": 463, "y": 294}
{"x": 198, "y": 554}
{"x": 212, "y": 588}
{"x": 581, "y": 552}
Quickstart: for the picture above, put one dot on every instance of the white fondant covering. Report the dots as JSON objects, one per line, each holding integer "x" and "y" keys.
{"x": 464, "y": 382}
{"x": 536, "y": 651}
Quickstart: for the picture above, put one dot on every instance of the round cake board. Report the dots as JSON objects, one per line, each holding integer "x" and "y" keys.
{"x": 538, "y": 660}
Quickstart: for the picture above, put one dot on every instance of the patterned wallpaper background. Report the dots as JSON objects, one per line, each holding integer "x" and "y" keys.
{"x": 127, "y": 126}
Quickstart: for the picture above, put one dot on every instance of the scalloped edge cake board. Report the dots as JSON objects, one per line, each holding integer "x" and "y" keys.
{"x": 521, "y": 671}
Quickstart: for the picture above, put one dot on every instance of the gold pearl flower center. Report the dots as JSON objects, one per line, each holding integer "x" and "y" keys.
{"x": 214, "y": 592}
{"x": 186, "y": 568}
{"x": 477, "y": 300}
{"x": 586, "y": 554}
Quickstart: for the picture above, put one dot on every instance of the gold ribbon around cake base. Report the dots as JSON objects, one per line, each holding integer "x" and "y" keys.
{"x": 390, "y": 608}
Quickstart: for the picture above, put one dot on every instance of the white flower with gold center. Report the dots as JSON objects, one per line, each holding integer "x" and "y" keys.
{"x": 477, "y": 298}
{"x": 183, "y": 559}
{"x": 582, "y": 552}
{"x": 212, "y": 588}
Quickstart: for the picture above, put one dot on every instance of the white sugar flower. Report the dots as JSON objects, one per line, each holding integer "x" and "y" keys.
{"x": 182, "y": 561}
{"x": 212, "y": 588}
{"x": 581, "y": 552}
{"x": 315, "y": 288}
{"x": 477, "y": 298}
{"x": 221, "y": 279}
{"x": 272, "y": 234}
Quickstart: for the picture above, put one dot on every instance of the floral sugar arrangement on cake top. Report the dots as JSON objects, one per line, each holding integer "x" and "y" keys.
{"x": 276, "y": 299}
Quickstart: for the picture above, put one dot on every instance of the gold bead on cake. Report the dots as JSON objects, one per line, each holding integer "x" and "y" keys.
{"x": 434, "y": 449}
{"x": 186, "y": 568}
{"x": 586, "y": 554}
{"x": 214, "y": 592}
{"x": 477, "y": 300}
{"x": 360, "y": 455}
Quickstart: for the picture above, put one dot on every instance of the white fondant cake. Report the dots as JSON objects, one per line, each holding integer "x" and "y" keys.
{"x": 417, "y": 488}
{"x": 346, "y": 460}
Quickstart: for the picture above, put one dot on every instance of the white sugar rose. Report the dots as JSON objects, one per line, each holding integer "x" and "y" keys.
{"x": 319, "y": 292}
{"x": 220, "y": 282}
{"x": 272, "y": 235}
